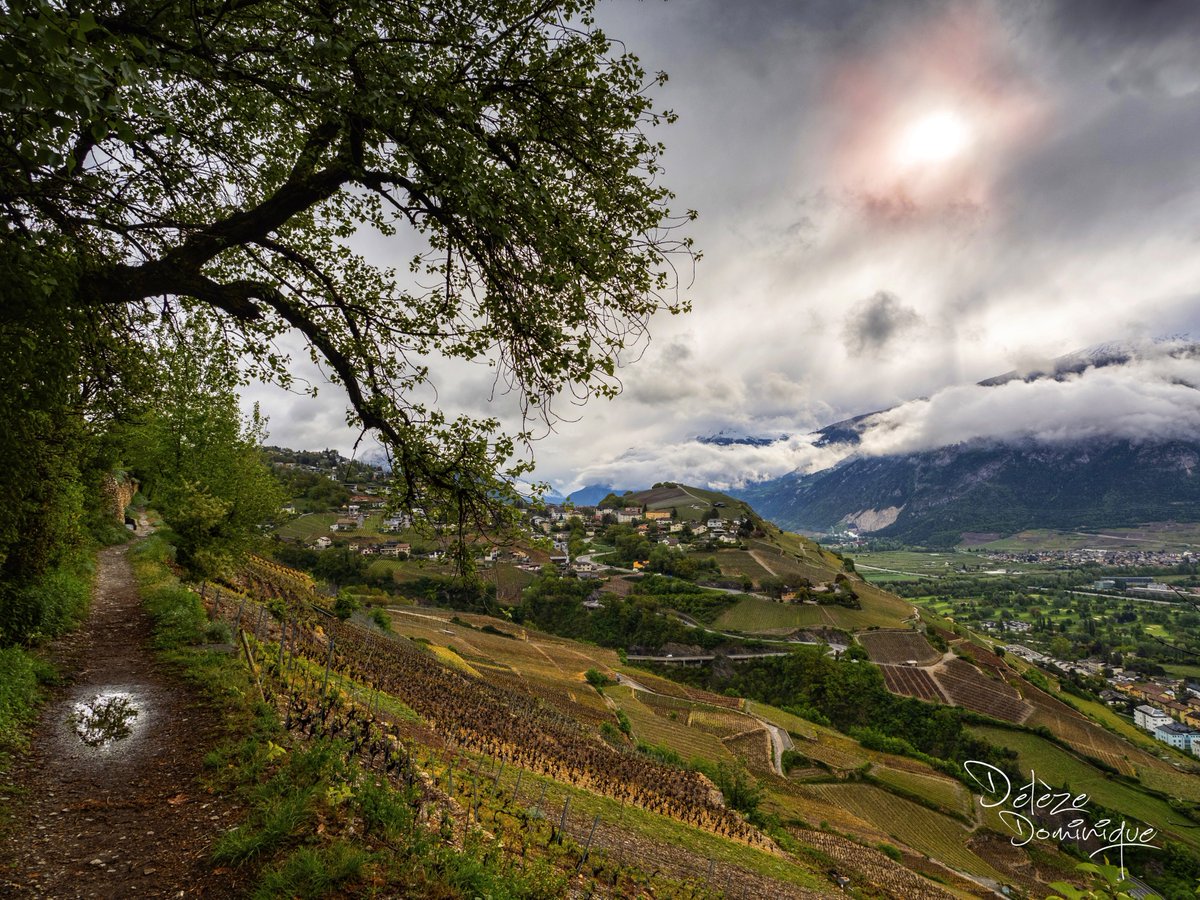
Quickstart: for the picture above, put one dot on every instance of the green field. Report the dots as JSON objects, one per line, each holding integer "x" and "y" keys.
{"x": 737, "y": 564}
{"x": 1150, "y": 536}
{"x": 1058, "y": 767}
{"x": 308, "y": 527}
{"x": 945, "y": 792}
{"x": 1183, "y": 671}
{"x": 754, "y": 615}
{"x": 909, "y": 823}
{"x": 911, "y": 565}
{"x": 911, "y": 562}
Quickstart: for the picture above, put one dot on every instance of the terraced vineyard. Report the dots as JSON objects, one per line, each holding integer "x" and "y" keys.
{"x": 653, "y": 727}
{"x": 966, "y": 686}
{"x": 479, "y": 716}
{"x": 684, "y": 692}
{"x": 864, "y": 863}
{"x": 912, "y": 682}
{"x": 898, "y": 647}
{"x": 754, "y": 748}
{"x": 946, "y": 792}
{"x": 543, "y": 666}
{"x": 1057, "y": 766}
{"x": 922, "y": 829}
{"x": 1083, "y": 735}
{"x": 719, "y": 722}
{"x": 756, "y": 615}
{"x": 519, "y": 697}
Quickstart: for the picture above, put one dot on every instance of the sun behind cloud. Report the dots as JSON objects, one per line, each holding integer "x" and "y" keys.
{"x": 936, "y": 137}
{"x": 929, "y": 121}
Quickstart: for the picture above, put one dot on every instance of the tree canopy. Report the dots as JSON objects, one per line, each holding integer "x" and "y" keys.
{"x": 223, "y": 163}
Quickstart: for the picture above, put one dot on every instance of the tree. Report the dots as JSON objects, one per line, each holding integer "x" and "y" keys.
{"x": 210, "y": 162}
{"x": 200, "y": 462}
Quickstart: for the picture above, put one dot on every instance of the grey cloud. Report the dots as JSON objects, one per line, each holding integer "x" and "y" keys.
{"x": 873, "y": 323}
{"x": 719, "y": 466}
{"x": 1121, "y": 23}
{"x": 1153, "y": 397}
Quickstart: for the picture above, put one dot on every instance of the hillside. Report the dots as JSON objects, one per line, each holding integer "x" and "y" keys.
{"x": 689, "y": 503}
{"x": 718, "y": 648}
{"x": 611, "y": 764}
{"x": 499, "y": 717}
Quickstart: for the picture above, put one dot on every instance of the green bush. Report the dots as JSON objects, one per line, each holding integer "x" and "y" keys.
{"x": 597, "y": 679}
{"x": 662, "y": 754}
{"x": 54, "y": 603}
{"x": 740, "y": 789}
{"x": 21, "y": 675}
{"x": 794, "y": 759}
{"x": 889, "y": 851}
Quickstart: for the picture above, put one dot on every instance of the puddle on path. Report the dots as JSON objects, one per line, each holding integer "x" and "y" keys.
{"x": 104, "y": 719}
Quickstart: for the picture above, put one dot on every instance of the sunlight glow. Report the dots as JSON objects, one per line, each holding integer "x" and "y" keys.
{"x": 934, "y": 138}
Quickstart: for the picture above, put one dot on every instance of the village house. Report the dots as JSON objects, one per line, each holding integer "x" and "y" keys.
{"x": 653, "y": 515}
{"x": 1149, "y": 718}
{"x": 1178, "y": 736}
{"x": 628, "y": 515}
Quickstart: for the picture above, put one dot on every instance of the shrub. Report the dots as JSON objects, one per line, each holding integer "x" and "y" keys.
{"x": 597, "y": 679}
{"x": 661, "y": 754}
{"x": 889, "y": 851}
{"x": 21, "y": 675}
{"x": 46, "y": 607}
{"x": 345, "y": 605}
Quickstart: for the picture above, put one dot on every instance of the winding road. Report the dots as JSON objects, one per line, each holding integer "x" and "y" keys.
{"x": 780, "y": 739}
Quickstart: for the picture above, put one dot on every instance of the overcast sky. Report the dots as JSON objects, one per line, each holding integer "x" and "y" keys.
{"x": 896, "y": 199}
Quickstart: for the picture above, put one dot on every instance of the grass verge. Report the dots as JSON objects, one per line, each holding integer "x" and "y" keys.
{"x": 318, "y": 823}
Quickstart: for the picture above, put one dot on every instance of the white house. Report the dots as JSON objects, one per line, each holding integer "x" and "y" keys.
{"x": 1150, "y": 717}
{"x": 1177, "y": 735}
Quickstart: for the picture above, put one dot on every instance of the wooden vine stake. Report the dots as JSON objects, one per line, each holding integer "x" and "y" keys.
{"x": 250, "y": 661}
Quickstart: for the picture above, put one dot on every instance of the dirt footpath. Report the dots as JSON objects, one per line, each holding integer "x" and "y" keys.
{"x": 107, "y": 802}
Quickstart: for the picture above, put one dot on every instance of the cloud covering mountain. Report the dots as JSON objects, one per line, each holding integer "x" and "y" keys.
{"x": 1147, "y": 392}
